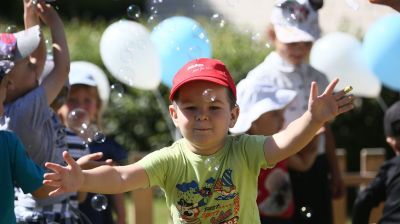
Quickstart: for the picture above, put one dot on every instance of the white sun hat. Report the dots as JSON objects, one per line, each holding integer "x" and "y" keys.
{"x": 86, "y": 73}
{"x": 295, "y": 21}
{"x": 255, "y": 97}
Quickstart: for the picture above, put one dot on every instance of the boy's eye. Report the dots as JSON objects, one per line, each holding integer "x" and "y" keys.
{"x": 214, "y": 107}
{"x": 189, "y": 108}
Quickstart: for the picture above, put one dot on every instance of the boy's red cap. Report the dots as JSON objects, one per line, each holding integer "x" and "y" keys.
{"x": 204, "y": 69}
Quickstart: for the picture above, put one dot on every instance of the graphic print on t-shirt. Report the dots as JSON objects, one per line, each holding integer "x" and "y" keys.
{"x": 215, "y": 202}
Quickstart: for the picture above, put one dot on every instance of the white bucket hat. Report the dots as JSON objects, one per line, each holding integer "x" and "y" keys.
{"x": 295, "y": 21}
{"x": 255, "y": 97}
{"x": 86, "y": 73}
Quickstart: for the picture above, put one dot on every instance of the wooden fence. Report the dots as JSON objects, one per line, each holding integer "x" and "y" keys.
{"x": 370, "y": 161}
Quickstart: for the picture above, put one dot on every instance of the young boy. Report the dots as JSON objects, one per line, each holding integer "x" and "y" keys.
{"x": 208, "y": 176}
{"x": 294, "y": 29}
{"x": 262, "y": 113}
{"x": 386, "y": 185}
{"x": 27, "y": 112}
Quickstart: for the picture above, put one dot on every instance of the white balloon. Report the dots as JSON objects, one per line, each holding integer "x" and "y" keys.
{"x": 130, "y": 56}
{"x": 103, "y": 85}
{"x": 339, "y": 55}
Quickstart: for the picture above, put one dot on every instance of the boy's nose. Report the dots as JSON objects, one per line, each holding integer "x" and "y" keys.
{"x": 202, "y": 115}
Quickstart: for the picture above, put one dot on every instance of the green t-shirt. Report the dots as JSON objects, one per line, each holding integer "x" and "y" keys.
{"x": 221, "y": 188}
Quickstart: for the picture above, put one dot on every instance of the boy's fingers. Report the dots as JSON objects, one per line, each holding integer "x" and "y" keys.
{"x": 329, "y": 89}
{"x": 313, "y": 90}
{"x": 345, "y": 100}
{"x": 109, "y": 162}
{"x": 343, "y": 92}
{"x": 51, "y": 176}
{"x": 346, "y": 108}
{"x": 52, "y": 183}
{"x": 53, "y": 166}
{"x": 339, "y": 95}
{"x": 95, "y": 156}
{"x": 68, "y": 158}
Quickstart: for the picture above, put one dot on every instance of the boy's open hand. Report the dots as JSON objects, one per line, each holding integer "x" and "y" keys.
{"x": 328, "y": 105}
{"x": 65, "y": 178}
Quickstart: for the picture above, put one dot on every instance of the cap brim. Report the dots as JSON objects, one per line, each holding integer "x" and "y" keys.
{"x": 292, "y": 34}
{"x": 27, "y": 41}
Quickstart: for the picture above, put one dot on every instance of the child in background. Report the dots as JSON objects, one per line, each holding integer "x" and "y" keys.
{"x": 27, "y": 112}
{"x": 85, "y": 86}
{"x": 207, "y": 176}
{"x": 294, "y": 29}
{"x": 262, "y": 113}
{"x": 16, "y": 168}
{"x": 385, "y": 187}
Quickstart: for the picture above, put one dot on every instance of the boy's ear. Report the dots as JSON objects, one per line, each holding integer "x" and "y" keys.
{"x": 271, "y": 33}
{"x": 392, "y": 142}
{"x": 174, "y": 115}
{"x": 234, "y": 116}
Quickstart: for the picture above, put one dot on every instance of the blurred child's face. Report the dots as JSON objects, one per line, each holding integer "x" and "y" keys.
{"x": 84, "y": 97}
{"x": 203, "y": 123}
{"x": 293, "y": 53}
{"x": 24, "y": 79}
{"x": 268, "y": 123}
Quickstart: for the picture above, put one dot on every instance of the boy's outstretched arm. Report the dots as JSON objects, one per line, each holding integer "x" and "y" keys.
{"x": 104, "y": 179}
{"x": 299, "y": 133}
{"x": 57, "y": 77}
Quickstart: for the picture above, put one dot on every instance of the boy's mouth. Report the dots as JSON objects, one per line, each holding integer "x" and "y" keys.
{"x": 202, "y": 129}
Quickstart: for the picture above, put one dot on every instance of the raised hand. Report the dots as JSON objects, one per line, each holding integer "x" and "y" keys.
{"x": 65, "y": 178}
{"x": 328, "y": 105}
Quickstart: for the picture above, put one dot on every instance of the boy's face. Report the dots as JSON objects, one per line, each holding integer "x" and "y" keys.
{"x": 81, "y": 96}
{"x": 293, "y": 53}
{"x": 268, "y": 123}
{"x": 23, "y": 77}
{"x": 202, "y": 122}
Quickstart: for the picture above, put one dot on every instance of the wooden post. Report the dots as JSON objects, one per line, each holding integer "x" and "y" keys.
{"x": 340, "y": 205}
{"x": 371, "y": 160}
{"x": 142, "y": 201}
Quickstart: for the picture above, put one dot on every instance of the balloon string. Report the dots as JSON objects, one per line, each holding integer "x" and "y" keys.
{"x": 174, "y": 133}
{"x": 382, "y": 103}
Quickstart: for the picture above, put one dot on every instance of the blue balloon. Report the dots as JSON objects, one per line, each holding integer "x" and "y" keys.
{"x": 381, "y": 47}
{"x": 179, "y": 40}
